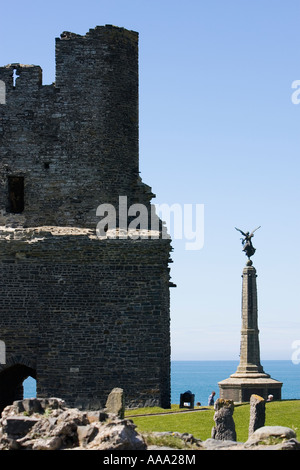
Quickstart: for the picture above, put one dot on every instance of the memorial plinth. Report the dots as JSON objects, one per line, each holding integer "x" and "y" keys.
{"x": 249, "y": 377}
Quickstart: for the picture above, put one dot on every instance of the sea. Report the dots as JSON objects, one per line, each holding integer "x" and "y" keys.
{"x": 202, "y": 377}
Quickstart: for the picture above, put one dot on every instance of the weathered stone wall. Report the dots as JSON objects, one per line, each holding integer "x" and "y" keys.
{"x": 80, "y": 314}
{"x": 74, "y": 142}
{"x": 87, "y": 314}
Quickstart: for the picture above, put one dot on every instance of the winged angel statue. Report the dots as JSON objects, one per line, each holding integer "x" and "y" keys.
{"x": 248, "y": 248}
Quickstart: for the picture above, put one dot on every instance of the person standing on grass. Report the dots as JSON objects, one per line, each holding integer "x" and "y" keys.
{"x": 211, "y": 399}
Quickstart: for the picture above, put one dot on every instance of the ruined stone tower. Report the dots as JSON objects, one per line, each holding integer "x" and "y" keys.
{"x": 80, "y": 313}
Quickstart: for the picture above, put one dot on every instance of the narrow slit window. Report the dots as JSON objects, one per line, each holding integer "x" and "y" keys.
{"x": 14, "y": 77}
{"x": 16, "y": 194}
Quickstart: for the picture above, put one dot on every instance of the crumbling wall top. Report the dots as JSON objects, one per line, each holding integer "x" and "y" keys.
{"x": 99, "y": 30}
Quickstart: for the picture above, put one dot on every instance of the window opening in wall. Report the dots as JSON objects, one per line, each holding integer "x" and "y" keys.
{"x": 15, "y": 76}
{"x": 2, "y": 352}
{"x": 2, "y": 92}
{"x": 16, "y": 194}
{"x": 46, "y": 165}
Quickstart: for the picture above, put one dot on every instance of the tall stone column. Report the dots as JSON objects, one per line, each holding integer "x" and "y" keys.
{"x": 249, "y": 377}
{"x": 249, "y": 352}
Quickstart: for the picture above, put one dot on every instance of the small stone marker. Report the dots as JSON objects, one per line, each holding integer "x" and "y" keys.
{"x": 257, "y": 413}
{"x": 115, "y": 403}
{"x": 225, "y": 427}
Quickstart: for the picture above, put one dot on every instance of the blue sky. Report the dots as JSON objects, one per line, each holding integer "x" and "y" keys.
{"x": 217, "y": 127}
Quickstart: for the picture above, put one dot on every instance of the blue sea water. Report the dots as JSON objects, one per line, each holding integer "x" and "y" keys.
{"x": 202, "y": 377}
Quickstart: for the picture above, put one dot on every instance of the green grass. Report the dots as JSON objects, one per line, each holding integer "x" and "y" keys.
{"x": 200, "y": 423}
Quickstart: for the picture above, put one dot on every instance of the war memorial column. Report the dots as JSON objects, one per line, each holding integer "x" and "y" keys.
{"x": 249, "y": 377}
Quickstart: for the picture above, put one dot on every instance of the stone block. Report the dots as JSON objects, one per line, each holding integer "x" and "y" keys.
{"x": 115, "y": 403}
{"x": 224, "y": 428}
{"x": 269, "y": 434}
{"x": 257, "y": 413}
{"x": 18, "y": 426}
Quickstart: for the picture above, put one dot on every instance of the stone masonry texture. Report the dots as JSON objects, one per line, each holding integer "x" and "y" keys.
{"x": 249, "y": 353}
{"x": 81, "y": 314}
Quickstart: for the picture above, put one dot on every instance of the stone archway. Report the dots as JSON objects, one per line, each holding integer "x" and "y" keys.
{"x": 11, "y": 383}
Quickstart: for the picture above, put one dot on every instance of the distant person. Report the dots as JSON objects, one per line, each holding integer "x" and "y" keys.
{"x": 211, "y": 399}
{"x": 270, "y": 398}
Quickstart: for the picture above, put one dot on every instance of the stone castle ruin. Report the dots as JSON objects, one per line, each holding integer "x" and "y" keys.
{"x": 80, "y": 313}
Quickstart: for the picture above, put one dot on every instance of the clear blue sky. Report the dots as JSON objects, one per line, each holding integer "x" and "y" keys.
{"x": 217, "y": 127}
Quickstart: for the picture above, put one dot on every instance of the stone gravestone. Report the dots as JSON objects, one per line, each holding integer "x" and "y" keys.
{"x": 115, "y": 403}
{"x": 257, "y": 413}
{"x": 225, "y": 428}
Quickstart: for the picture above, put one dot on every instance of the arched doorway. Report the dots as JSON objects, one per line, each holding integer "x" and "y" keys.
{"x": 29, "y": 387}
{"x": 11, "y": 383}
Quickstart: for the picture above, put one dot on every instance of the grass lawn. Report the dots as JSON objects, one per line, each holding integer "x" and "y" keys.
{"x": 200, "y": 423}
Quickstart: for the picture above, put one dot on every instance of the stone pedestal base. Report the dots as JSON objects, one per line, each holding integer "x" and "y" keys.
{"x": 239, "y": 387}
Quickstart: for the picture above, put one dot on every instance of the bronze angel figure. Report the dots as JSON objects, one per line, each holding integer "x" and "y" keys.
{"x": 248, "y": 248}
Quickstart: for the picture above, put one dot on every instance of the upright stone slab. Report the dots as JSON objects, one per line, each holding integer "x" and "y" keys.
{"x": 115, "y": 403}
{"x": 257, "y": 413}
{"x": 224, "y": 429}
{"x": 249, "y": 377}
